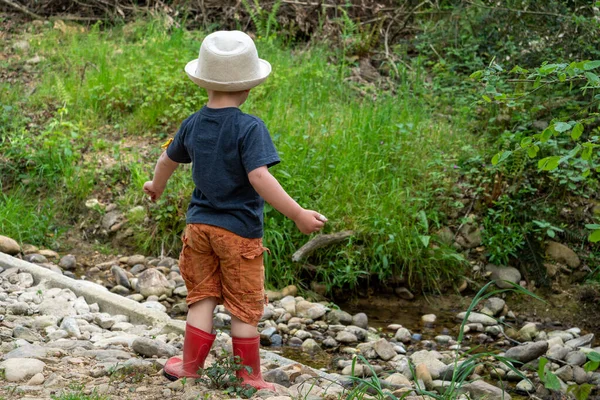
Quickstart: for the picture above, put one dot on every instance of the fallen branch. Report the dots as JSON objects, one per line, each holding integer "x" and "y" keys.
{"x": 24, "y": 10}
{"x": 320, "y": 241}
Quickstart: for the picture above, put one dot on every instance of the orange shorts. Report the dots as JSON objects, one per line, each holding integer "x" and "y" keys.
{"x": 215, "y": 262}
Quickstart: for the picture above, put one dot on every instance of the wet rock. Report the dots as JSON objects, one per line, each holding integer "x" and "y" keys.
{"x": 21, "y": 369}
{"x": 562, "y": 254}
{"x": 306, "y": 309}
{"x": 404, "y": 293}
{"x": 361, "y": 320}
{"x": 527, "y": 352}
{"x": 483, "y": 390}
{"x": 150, "y": 348}
{"x": 68, "y": 262}
{"x": 501, "y": 274}
{"x": 336, "y": 317}
{"x": 153, "y": 283}
{"x": 9, "y": 246}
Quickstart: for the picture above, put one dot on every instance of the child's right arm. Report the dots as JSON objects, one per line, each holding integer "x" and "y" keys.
{"x": 265, "y": 184}
{"x": 162, "y": 172}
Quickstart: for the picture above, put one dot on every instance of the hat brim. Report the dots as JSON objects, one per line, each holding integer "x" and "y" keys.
{"x": 265, "y": 70}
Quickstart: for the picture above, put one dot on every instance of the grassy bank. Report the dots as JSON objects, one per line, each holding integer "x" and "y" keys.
{"x": 87, "y": 121}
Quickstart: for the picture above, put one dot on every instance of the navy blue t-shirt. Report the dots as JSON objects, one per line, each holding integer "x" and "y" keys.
{"x": 224, "y": 145}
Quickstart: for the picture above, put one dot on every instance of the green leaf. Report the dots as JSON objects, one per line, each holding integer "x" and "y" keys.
{"x": 590, "y": 65}
{"x": 549, "y": 163}
{"x": 561, "y": 127}
{"x": 562, "y": 77}
{"x": 591, "y": 366}
{"x": 547, "y": 69}
{"x": 546, "y": 134}
{"x": 586, "y": 154}
{"x": 486, "y": 98}
{"x": 592, "y": 78}
{"x": 592, "y": 226}
{"x": 577, "y": 131}
{"x": 425, "y": 240}
{"x": 581, "y": 392}
{"x": 586, "y": 173}
{"x": 477, "y": 74}
{"x": 541, "y": 366}
{"x": 595, "y": 236}
{"x": 594, "y": 356}
{"x": 533, "y": 151}
{"x": 552, "y": 381}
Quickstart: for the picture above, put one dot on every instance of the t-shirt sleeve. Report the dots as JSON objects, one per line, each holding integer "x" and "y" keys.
{"x": 177, "y": 150}
{"x": 258, "y": 149}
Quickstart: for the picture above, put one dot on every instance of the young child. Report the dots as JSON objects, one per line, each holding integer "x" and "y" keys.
{"x": 222, "y": 256}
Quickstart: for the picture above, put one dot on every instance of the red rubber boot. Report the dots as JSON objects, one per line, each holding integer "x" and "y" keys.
{"x": 248, "y": 351}
{"x": 196, "y": 346}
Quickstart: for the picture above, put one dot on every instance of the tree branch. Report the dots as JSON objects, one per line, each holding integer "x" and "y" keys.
{"x": 22, "y": 9}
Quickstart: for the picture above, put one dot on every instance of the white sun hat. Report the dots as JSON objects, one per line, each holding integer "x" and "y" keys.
{"x": 228, "y": 62}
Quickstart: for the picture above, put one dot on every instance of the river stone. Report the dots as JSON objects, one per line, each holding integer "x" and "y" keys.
{"x": 20, "y": 369}
{"x": 36, "y": 258}
{"x": 558, "y": 352}
{"x": 403, "y": 335}
{"x": 528, "y": 332}
{"x": 9, "y": 246}
{"x": 527, "y": 352}
{"x": 495, "y": 305}
{"x": 306, "y": 309}
{"x": 398, "y": 379}
{"x": 367, "y": 350}
{"x": 120, "y": 276}
{"x": 361, "y": 320}
{"x": 583, "y": 341}
{"x": 580, "y": 376}
{"x": 330, "y": 342}
{"x": 58, "y": 307}
{"x": 42, "y": 321}
{"x": 525, "y": 386}
{"x": 310, "y": 346}
{"x": 277, "y": 376}
{"x": 25, "y": 280}
{"x": 336, "y": 317}
{"x": 483, "y": 390}
{"x": 27, "y": 351}
{"x": 360, "y": 333}
{"x": 384, "y": 349}
{"x": 69, "y": 325}
{"x": 576, "y": 358}
{"x": 68, "y": 262}
{"x": 477, "y": 318}
{"x": 431, "y": 359}
{"x": 501, "y": 274}
{"x": 154, "y": 305}
{"x": 302, "y": 334}
{"x": 346, "y": 337}
{"x": 565, "y": 373}
{"x": 562, "y": 254}
{"x": 18, "y": 308}
{"x": 288, "y": 303}
{"x": 149, "y": 348}
{"x": 152, "y": 282}
{"x": 428, "y": 319}
{"x": 20, "y": 332}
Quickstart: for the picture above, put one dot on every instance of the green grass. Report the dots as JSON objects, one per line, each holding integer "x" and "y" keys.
{"x": 382, "y": 166}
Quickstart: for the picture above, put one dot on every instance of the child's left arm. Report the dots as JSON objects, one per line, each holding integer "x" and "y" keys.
{"x": 162, "y": 172}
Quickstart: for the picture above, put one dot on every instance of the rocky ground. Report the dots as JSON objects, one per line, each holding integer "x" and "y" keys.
{"x": 55, "y": 343}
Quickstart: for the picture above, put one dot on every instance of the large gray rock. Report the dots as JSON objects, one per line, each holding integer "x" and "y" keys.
{"x": 501, "y": 274}
{"x": 277, "y": 376}
{"x": 477, "y": 318}
{"x": 403, "y": 335}
{"x": 562, "y": 254}
{"x": 21, "y": 332}
{"x": 431, "y": 359}
{"x": 9, "y": 246}
{"x": 361, "y": 320}
{"x": 27, "y": 351}
{"x": 120, "y": 276}
{"x": 68, "y": 262}
{"x": 336, "y": 317}
{"x": 306, "y": 309}
{"x": 20, "y": 369}
{"x": 149, "y": 348}
{"x": 483, "y": 390}
{"x": 583, "y": 341}
{"x": 346, "y": 337}
{"x": 495, "y": 305}
{"x": 384, "y": 349}
{"x": 152, "y": 282}
{"x": 58, "y": 307}
{"x": 527, "y": 352}
{"x": 288, "y": 303}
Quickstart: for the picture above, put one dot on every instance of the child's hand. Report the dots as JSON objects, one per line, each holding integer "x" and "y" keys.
{"x": 152, "y": 190}
{"x": 309, "y": 221}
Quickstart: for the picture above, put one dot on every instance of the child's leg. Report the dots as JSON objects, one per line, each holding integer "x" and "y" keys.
{"x": 200, "y": 314}
{"x": 241, "y": 329}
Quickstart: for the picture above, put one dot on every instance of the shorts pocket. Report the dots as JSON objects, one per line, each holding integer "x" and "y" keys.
{"x": 251, "y": 267}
